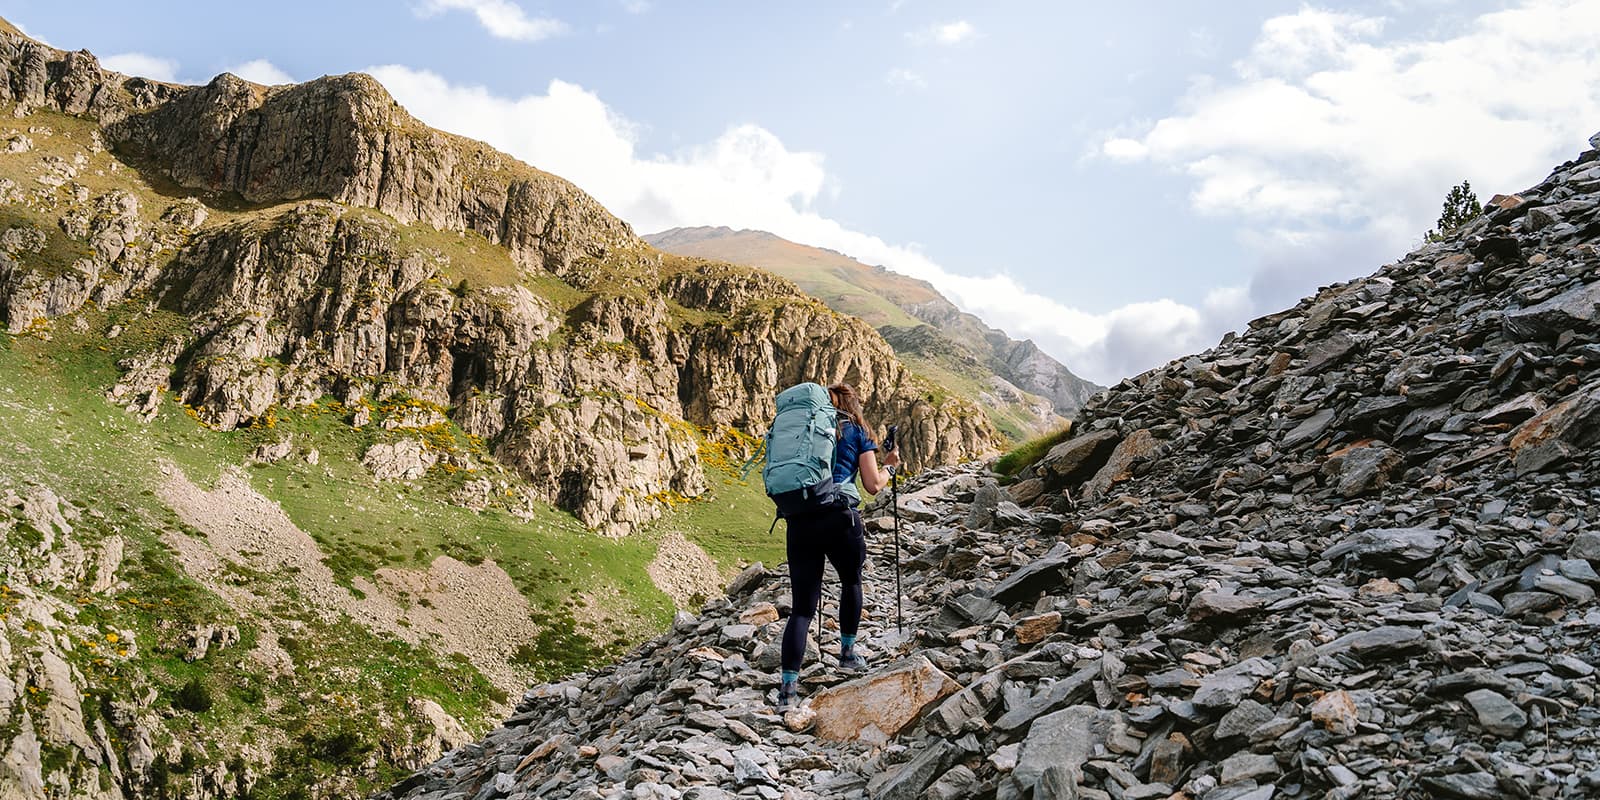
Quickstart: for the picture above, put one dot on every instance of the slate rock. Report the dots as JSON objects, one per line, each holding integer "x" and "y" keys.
{"x": 1047, "y": 572}
{"x": 1064, "y": 739}
{"x": 1380, "y": 642}
{"x": 1497, "y": 714}
{"x": 911, "y": 779}
{"x": 1076, "y": 459}
{"x": 1394, "y": 551}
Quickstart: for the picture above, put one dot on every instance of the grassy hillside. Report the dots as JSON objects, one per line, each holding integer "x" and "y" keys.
{"x": 319, "y": 681}
{"x": 589, "y": 597}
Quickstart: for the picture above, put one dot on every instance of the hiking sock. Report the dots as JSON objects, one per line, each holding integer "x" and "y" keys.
{"x": 846, "y": 644}
{"x": 791, "y": 678}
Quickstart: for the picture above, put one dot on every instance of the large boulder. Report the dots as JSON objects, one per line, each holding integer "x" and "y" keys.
{"x": 876, "y": 708}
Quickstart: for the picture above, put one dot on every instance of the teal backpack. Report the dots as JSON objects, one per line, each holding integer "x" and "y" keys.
{"x": 799, "y": 451}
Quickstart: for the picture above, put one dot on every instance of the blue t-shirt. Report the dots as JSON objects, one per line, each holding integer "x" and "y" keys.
{"x": 853, "y": 441}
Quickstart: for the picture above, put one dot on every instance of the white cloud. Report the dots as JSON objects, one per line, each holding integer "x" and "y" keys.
{"x": 636, "y": 6}
{"x": 142, "y": 65}
{"x": 261, "y": 71}
{"x": 1328, "y": 137}
{"x": 948, "y": 33}
{"x": 503, "y": 18}
{"x": 747, "y": 178}
{"x": 905, "y": 78}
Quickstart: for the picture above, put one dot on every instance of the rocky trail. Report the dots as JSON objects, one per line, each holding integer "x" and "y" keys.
{"x": 1347, "y": 553}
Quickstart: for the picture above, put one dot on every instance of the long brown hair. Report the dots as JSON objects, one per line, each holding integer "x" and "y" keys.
{"x": 844, "y": 397}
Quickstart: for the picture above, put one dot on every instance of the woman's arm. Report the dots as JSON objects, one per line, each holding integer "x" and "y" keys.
{"x": 874, "y": 479}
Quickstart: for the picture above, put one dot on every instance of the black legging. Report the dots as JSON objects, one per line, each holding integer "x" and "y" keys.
{"x": 839, "y": 537}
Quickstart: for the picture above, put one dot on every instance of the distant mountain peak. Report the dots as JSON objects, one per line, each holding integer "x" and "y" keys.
{"x": 958, "y": 347}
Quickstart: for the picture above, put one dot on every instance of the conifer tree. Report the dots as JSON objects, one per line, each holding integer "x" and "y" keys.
{"x": 1460, "y": 206}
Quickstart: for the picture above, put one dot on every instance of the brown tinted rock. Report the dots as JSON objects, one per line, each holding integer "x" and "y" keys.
{"x": 1032, "y": 629}
{"x": 1219, "y": 606}
{"x": 1336, "y": 712}
{"x": 877, "y": 707}
{"x": 1558, "y": 433}
{"x": 1025, "y": 492}
{"x": 1138, "y": 446}
{"x": 759, "y": 614}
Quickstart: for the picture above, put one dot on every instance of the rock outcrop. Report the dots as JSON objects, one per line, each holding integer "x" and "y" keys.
{"x": 1020, "y": 383}
{"x": 1350, "y": 552}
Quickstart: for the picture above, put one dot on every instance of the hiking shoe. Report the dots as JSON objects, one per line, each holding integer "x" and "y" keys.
{"x": 852, "y": 661}
{"x": 788, "y": 697}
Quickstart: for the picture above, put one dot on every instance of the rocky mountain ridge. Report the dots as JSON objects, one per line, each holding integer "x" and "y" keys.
{"x": 1349, "y": 552}
{"x": 292, "y": 303}
{"x": 922, "y": 325}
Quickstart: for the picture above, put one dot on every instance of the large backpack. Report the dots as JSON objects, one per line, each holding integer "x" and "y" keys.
{"x": 799, "y": 452}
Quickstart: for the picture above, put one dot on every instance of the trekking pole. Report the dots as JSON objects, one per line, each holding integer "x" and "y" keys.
{"x": 894, "y": 502}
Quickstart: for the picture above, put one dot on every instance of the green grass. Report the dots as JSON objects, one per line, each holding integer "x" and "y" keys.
{"x": 730, "y": 522}
{"x": 1030, "y": 451}
{"x": 590, "y": 595}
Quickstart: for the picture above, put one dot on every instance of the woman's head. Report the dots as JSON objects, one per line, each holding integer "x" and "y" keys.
{"x": 844, "y": 397}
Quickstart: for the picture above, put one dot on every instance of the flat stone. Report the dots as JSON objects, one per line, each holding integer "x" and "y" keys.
{"x": 877, "y": 707}
{"x": 1224, "y": 689}
{"x": 1222, "y": 607}
{"x": 1310, "y": 429}
{"x": 1244, "y": 718}
{"x": 738, "y": 633}
{"x": 1578, "y": 569}
{"x": 1030, "y": 630}
{"x": 912, "y": 779}
{"x": 1519, "y": 603}
{"x": 1079, "y": 457}
{"x": 1047, "y": 572}
{"x": 1246, "y": 767}
{"x": 1066, "y": 691}
{"x": 1065, "y": 739}
{"x": 1137, "y": 447}
{"x": 1586, "y": 546}
{"x": 1560, "y": 432}
{"x": 1396, "y": 551}
{"x": 748, "y": 580}
{"x": 1565, "y": 587}
{"x": 1387, "y": 640}
{"x": 759, "y": 614}
{"x": 1359, "y": 469}
{"x": 1497, "y": 714}
{"x": 1466, "y": 786}
{"x": 1166, "y": 759}
{"x": 1575, "y": 309}
{"x": 956, "y": 784}
{"x": 971, "y": 703}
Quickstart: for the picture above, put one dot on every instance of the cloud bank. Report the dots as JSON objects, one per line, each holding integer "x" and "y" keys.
{"x": 142, "y": 65}
{"x": 1332, "y": 148}
{"x": 262, "y": 71}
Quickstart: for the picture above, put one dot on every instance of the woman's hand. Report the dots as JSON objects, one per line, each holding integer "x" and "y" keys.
{"x": 873, "y": 479}
{"x": 892, "y": 458}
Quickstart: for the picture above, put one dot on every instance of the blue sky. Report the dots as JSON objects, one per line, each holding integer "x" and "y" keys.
{"x": 1120, "y": 182}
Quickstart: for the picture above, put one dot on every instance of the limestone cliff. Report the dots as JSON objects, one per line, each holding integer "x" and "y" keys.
{"x": 1025, "y": 391}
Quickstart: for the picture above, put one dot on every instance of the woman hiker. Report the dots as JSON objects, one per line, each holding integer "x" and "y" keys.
{"x": 838, "y": 536}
